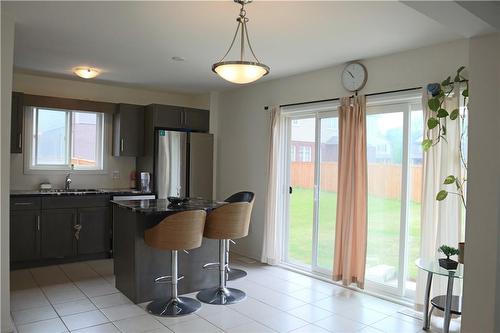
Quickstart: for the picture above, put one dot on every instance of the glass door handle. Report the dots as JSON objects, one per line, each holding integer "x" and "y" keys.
{"x": 290, "y": 189}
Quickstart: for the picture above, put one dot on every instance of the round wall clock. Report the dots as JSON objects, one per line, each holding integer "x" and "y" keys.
{"x": 354, "y": 76}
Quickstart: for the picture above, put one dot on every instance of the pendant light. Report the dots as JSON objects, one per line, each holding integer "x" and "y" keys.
{"x": 241, "y": 71}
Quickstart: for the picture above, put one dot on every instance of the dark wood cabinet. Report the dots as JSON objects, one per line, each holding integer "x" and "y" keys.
{"x": 16, "y": 125}
{"x": 57, "y": 233}
{"x": 24, "y": 235}
{"x": 177, "y": 117}
{"x": 128, "y": 130}
{"x": 95, "y": 230}
{"x": 48, "y": 230}
{"x": 167, "y": 116}
{"x": 196, "y": 119}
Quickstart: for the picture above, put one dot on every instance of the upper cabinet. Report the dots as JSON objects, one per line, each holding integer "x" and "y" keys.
{"x": 196, "y": 119}
{"x": 128, "y": 130}
{"x": 16, "y": 125}
{"x": 176, "y": 117}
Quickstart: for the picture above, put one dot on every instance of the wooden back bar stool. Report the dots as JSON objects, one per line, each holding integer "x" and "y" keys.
{"x": 235, "y": 273}
{"x": 230, "y": 221}
{"x": 179, "y": 231}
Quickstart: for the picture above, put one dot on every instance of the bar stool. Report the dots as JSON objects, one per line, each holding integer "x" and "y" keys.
{"x": 235, "y": 273}
{"x": 179, "y": 231}
{"x": 230, "y": 221}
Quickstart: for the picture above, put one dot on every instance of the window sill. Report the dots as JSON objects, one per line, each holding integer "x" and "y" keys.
{"x": 64, "y": 172}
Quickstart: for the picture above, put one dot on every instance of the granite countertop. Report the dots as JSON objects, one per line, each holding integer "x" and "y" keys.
{"x": 156, "y": 206}
{"x": 116, "y": 191}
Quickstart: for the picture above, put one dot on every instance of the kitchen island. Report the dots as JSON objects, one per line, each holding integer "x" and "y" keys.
{"x": 136, "y": 265}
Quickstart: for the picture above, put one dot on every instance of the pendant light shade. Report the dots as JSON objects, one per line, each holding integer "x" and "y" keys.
{"x": 241, "y": 71}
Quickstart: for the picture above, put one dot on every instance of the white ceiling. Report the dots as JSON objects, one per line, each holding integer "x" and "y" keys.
{"x": 133, "y": 42}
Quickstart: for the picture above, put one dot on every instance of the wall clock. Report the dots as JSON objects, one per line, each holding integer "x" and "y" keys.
{"x": 354, "y": 76}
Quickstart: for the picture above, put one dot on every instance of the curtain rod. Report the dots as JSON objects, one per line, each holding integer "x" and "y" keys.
{"x": 338, "y": 98}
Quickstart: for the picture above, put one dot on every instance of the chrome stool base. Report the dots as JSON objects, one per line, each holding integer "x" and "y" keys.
{"x": 221, "y": 296}
{"x": 173, "y": 307}
{"x": 235, "y": 274}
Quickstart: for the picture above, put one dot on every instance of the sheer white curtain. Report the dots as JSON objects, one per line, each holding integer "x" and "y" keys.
{"x": 271, "y": 251}
{"x": 440, "y": 220}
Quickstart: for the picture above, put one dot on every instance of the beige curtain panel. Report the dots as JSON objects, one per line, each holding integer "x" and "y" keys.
{"x": 350, "y": 233}
{"x": 271, "y": 251}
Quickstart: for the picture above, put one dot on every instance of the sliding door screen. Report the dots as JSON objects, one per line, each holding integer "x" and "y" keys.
{"x": 313, "y": 165}
{"x": 384, "y": 146}
{"x": 394, "y": 136}
{"x": 327, "y": 183}
{"x": 302, "y": 144}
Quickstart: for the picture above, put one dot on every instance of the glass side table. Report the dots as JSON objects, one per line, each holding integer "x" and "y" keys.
{"x": 448, "y": 303}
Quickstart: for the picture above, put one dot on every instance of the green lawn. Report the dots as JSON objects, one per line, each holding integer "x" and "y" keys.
{"x": 383, "y": 230}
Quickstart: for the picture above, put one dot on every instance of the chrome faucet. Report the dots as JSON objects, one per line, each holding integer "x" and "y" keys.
{"x": 67, "y": 182}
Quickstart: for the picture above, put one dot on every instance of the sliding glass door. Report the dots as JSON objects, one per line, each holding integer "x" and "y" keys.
{"x": 394, "y": 155}
{"x": 313, "y": 151}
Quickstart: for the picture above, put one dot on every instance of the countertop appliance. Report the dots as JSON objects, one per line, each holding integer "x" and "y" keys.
{"x": 183, "y": 164}
{"x": 145, "y": 182}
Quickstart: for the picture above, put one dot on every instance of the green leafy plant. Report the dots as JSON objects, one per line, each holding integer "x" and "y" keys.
{"x": 439, "y": 119}
{"x": 448, "y": 251}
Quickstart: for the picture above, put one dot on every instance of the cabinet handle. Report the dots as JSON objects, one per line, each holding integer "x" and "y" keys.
{"x": 23, "y": 203}
{"x": 19, "y": 142}
{"x": 122, "y": 144}
{"x": 38, "y": 222}
{"x": 77, "y": 228}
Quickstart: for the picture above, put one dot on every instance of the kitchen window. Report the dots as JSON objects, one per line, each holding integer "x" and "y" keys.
{"x": 64, "y": 139}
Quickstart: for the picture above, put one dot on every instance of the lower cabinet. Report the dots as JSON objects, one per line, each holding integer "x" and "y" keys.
{"x": 24, "y": 235}
{"x": 94, "y": 225}
{"x": 71, "y": 229}
{"x": 57, "y": 233}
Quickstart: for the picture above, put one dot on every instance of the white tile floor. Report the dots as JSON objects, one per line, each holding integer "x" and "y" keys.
{"x": 81, "y": 297}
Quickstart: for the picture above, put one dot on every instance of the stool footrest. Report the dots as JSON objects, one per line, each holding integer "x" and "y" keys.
{"x": 211, "y": 265}
{"x": 167, "y": 279}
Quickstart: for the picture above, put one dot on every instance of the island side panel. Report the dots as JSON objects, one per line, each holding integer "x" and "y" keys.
{"x": 124, "y": 233}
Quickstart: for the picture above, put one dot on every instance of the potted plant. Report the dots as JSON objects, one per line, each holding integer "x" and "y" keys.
{"x": 439, "y": 92}
{"x": 448, "y": 251}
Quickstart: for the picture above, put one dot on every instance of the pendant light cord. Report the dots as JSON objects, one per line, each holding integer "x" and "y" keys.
{"x": 242, "y": 21}
{"x": 232, "y": 43}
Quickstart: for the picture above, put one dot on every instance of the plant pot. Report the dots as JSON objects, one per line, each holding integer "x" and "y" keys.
{"x": 461, "y": 248}
{"x": 448, "y": 263}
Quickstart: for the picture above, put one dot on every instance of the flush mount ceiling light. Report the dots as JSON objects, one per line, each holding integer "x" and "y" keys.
{"x": 241, "y": 71}
{"x": 86, "y": 72}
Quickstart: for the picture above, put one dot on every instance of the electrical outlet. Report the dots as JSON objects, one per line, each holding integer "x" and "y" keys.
{"x": 115, "y": 174}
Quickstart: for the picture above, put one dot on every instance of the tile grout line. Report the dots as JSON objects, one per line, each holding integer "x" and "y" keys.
{"x": 48, "y": 300}
{"x": 88, "y": 297}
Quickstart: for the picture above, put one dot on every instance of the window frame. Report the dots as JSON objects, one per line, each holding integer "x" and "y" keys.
{"x": 101, "y": 144}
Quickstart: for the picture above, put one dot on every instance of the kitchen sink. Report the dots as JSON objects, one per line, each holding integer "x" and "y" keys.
{"x": 73, "y": 190}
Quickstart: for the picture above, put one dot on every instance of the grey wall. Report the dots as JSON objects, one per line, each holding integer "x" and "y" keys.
{"x": 481, "y": 304}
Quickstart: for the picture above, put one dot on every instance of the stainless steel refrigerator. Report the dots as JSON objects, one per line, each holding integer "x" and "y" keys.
{"x": 183, "y": 164}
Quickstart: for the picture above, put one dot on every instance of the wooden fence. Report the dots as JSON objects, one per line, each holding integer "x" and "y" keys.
{"x": 384, "y": 180}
